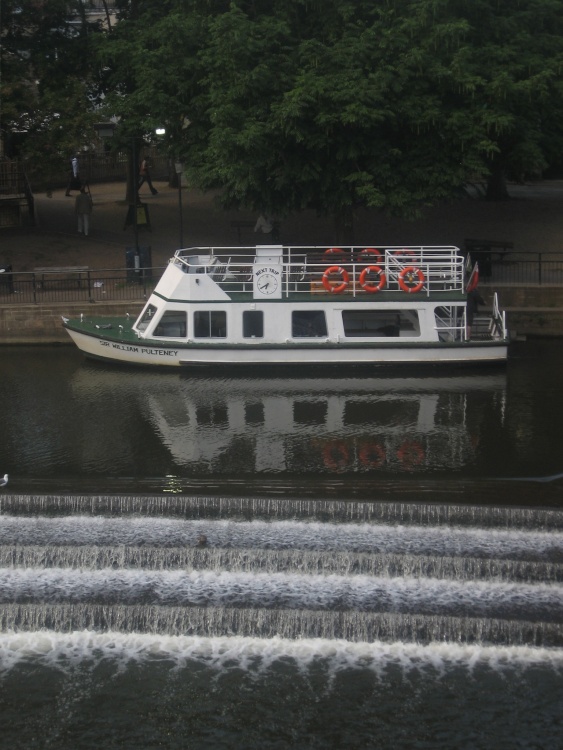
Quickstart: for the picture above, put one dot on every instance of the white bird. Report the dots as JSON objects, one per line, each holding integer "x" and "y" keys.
{"x": 4, "y": 480}
{"x": 82, "y": 317}
{"x": 65, "y": 320}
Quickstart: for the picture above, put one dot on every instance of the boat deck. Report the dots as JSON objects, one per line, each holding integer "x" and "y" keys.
{"x": 353, "y": 272}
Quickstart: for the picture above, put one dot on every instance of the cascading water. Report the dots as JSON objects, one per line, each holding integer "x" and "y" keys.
{"x": 258, "y": 576}
{"x": 269, "y": 588}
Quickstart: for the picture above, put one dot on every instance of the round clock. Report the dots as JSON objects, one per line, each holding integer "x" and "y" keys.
{"x": 267, "y": 283}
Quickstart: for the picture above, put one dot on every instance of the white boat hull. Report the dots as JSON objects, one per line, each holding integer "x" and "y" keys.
{"x": 182, "y": 355}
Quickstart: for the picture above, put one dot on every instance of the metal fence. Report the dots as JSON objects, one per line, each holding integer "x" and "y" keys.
{"x": 76, "y": 284}
{"x": 515, "y": 269}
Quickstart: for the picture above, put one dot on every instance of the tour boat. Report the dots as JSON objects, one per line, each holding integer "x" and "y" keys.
{"x": 301, "y": 306}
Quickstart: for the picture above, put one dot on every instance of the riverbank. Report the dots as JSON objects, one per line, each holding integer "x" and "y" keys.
{"x": 532, "y": 220}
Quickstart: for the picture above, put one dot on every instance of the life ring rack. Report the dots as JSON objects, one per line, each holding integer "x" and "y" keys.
{"x": 407, "y": 275}
{"x": 336, "y": 455}
{"x": 370, "y": 286}
{"x": 335, "y": 288}
{"x": 372, "y": 455}
{"x": 370, "y": 252}
{"x": 410, "y": 454}
{"x": 331, "y": 252}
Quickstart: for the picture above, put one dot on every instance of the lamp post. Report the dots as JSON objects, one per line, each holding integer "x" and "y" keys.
{"x": 179, "y": 170}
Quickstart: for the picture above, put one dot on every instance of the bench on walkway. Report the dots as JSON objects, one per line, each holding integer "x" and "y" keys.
{"x": 73, "y": 273}
{"x": 482, "y": 251}
{"x": 239, "y": 225}
{"x": 493, "y": 246}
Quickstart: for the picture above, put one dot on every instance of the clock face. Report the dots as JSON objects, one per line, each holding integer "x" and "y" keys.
{"x": 267, "y": 283}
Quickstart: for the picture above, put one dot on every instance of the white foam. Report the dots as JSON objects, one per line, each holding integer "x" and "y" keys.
{"x": 364, "y": 537}
{"x": 282, "y": 590}
{"x": 65, "y": 651}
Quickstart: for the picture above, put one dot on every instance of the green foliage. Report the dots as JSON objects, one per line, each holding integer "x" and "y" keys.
{"x": 47, "y": 84}
{"x": 334, "y": 104}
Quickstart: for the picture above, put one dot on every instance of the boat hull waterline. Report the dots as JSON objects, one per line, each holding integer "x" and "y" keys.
{"x": 152, "y": 354}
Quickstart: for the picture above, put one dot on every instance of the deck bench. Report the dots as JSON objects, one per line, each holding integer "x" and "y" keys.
{"x": 239, "y": 225}
{"x": 482, "y": 251}
{"x": 73, "y": 273}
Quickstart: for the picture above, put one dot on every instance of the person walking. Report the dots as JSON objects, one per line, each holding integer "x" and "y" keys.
{"x": 83, "y": 209}
{"x": 74, "y": 177}
{"x": 144, "y": 175}
{"x": 474, "y": 299}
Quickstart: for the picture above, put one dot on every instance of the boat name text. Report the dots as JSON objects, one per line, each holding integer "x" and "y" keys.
{"x": 141, "y": 349}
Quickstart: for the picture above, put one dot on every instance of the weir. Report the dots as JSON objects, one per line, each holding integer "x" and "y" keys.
{"x": 265, "y": 568}
{"x": 277, "y": 561}
{"x": 251, "y": 508}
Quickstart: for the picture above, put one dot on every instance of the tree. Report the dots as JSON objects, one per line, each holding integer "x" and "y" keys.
{"x": 341, "y": 104}
{"x": 48, "y": 88}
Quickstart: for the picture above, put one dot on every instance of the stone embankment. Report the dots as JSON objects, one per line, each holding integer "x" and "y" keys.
{"x": 530, "y": 312}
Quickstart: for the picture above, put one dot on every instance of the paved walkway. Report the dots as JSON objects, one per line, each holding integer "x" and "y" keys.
{"x": 532, "y": 220}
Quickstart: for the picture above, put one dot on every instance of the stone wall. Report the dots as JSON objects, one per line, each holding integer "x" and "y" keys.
{"x": 42, "y": 324}
{"x": 536, "y": 311}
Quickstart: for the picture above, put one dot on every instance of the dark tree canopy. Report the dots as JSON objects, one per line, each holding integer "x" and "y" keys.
{"x": 47, "y": 85}
{"x": 333, "y": 105}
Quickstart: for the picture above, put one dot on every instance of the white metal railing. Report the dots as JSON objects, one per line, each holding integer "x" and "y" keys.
{"x": 355, "y": 270}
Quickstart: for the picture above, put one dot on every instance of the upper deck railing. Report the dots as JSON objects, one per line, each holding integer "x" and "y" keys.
{"x": 351, "y": 270}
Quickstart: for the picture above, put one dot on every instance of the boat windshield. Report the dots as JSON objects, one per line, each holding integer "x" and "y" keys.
{"x": 146, "y": 318}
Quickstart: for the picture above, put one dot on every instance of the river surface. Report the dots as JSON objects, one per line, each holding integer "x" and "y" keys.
{"x": 304, "y": 562}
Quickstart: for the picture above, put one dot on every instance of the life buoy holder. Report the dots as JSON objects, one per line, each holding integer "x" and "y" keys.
{"x": 335, "y": 288}
{"x": 336, "y": 456}
{"x": 333, "y": 251}
{"x": 372, "y": 455}
{"x": 370, "y": 252}
{"x": 407, "y": 276}
{"x": 370, "y": 286}
{"x": 404, "y": 253}
{"x": 410, "y": 454}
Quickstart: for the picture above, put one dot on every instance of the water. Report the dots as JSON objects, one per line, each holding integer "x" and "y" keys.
{"x": 382, "y": 566}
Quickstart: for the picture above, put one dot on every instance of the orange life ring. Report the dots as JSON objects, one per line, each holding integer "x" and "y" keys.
{"x": 336, "y": 456}
{"x": 333, "y": 251}
{"x": 411, "y": 454}
{"x": 372, "y": 287}
{"x": 368, "y": 251}
{"x": 372, "y": 455}
{"x": 336, "y": 289}
{"x": 408, "y": 274}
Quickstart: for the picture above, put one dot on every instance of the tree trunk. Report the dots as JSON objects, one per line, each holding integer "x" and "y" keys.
{"x": 344, "y": 226}
{"x": 496, "y": 184}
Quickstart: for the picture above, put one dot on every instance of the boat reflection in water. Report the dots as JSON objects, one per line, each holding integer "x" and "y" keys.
{"x": 315, "y": 426}
{"x": 335, "y": 425}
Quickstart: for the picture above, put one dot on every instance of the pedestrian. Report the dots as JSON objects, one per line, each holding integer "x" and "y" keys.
{"x": 74, "y": 176}
{"x": 144, "y": 175}
{"x": 83, "y": 209}
{"x": 264, "y": 224}
{"x": 474, "y": 299}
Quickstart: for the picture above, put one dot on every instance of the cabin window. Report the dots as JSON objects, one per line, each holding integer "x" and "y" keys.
{"x": 210, "y": 324}
{"x": 254, "y": 414}
{"x": 173, "y": 324}
{"x": 380, "y": 323}
{"x": 146, "y": 320}
{"x": 253, "y": 324}
{"x": 310, "y": 412}
{"x": 308, "y": 324}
